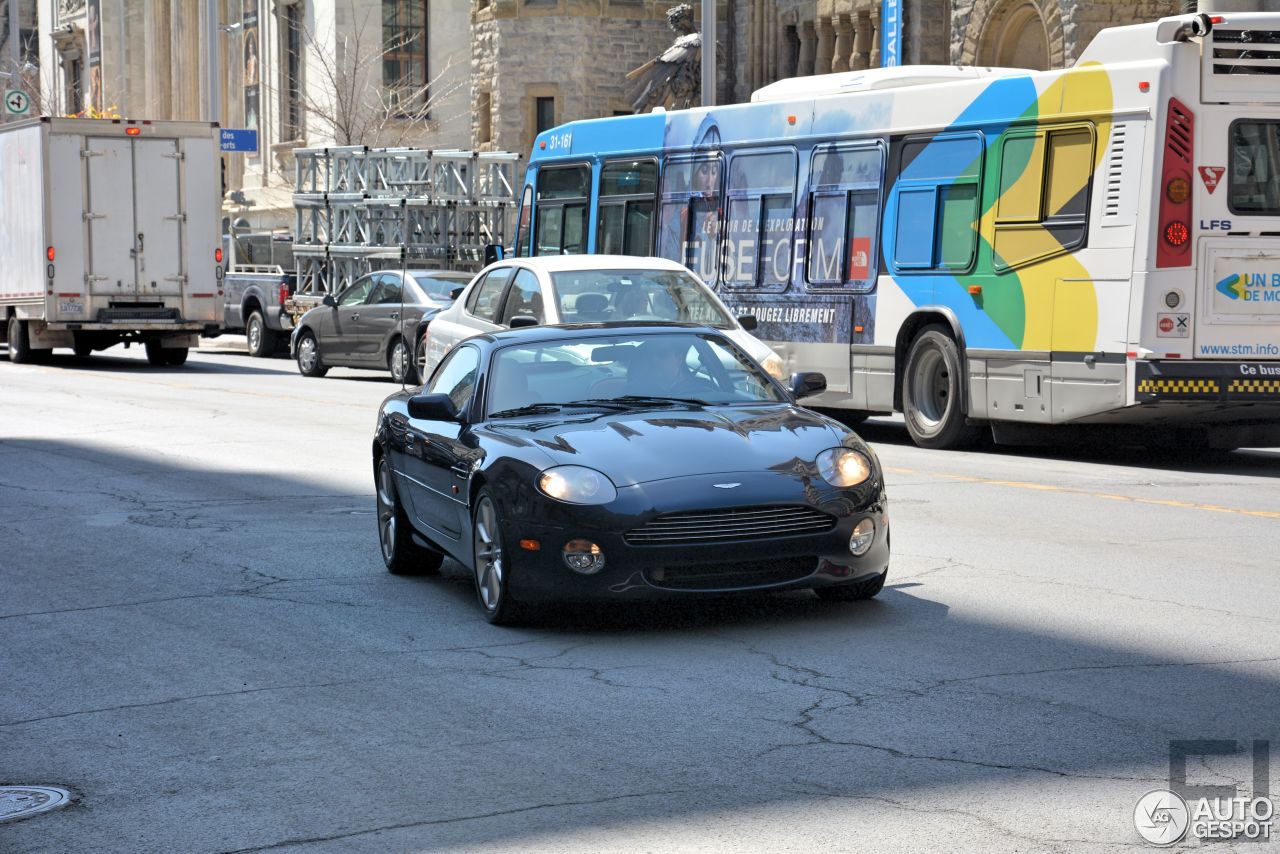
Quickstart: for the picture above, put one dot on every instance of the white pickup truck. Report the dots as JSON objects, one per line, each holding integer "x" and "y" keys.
{"x": 109, "y": 233}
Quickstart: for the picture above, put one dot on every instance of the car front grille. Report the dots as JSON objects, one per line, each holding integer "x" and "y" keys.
{"x": 707, "y": 527}
{"x": 732, "y": 576}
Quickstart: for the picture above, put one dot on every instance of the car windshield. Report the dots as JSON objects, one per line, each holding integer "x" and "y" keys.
{"x": 438, "y": 285}
{"x": 661, "y": 369}
{"x": 594, "y": 296}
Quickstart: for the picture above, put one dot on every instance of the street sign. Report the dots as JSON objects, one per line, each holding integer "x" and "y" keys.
{"x": 16, "y": 102}
{"x": 233, "y": 139}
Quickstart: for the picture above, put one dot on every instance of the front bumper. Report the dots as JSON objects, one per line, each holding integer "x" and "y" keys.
{"x": 643, "y": 571}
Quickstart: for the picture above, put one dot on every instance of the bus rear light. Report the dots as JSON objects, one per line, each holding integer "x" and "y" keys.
{"x": 49, "y": 253}
{"x": 1144, "y": 85}
{"x": 1176, "y": 233}
{"x": 217, "y": 256}
{"x": 1174, "y": 250}
{"x": 132, "y": 131}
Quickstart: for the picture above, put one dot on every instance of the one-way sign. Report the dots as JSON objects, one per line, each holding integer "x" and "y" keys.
{"x": 233, "y": 139}
{"x": 16, "y": 102}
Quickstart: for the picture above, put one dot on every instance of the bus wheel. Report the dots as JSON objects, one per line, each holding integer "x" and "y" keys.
{"x": 932, "y": 399}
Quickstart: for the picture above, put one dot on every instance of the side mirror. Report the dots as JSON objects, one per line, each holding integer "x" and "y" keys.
{"x": 522, "y": 321}
{"x": 492, "y": 253}
{"x": 432, "y": 407}
{"x": 748, "y": 322}
{"x": 457, "y": 292}
{"x": 807, "y": 384}
{"x": 329, "y": 301}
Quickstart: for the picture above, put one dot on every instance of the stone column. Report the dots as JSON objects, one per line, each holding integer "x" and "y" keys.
{"x": 862, "y": 42}
{"x": 874, "y": 33}
{"x": 844, "y": 43}
{"x": 808, "y": 43}
{"x": 826, "y": 46}
{"x": 769, "y": 20}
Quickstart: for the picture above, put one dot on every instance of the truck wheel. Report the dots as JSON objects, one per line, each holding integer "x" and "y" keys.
{"x": 155, "y": 353}
{"x": 176, "y": 355}
{"x": 81, "y": 346}
{"x": 262, "y": 341}
{"x": 931, "y": 392}
{"x": 402, "y": 365}
{"x": 309, "y": 364}
{"x": 19, "y": 343}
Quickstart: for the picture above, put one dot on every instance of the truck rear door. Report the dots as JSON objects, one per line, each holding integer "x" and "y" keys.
{"x": 135, "y": 217}
{"x": 112, "y": 267}
{"x": 159, "y": 217}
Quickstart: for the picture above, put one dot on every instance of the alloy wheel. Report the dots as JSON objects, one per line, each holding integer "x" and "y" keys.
{"x": 489, "y": 564}
{"x": 386, "y": 512}
{"x": 307, "y": 354}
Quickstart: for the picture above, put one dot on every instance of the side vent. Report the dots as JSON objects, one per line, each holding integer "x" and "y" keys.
{"x": 1115, "y": 170}
{"x": 1246, "y": 51}
{"x": 1178, "y": 140}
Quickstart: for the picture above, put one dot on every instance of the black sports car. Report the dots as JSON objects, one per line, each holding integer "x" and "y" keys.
{"x": 613, "y": 461}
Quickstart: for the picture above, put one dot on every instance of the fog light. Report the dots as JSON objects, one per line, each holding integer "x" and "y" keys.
{"x": 583, "y": 556}
{"x": 863, "y": 533}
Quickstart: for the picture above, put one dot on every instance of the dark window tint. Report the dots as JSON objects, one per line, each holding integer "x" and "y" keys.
{"x": 1044, "y": 195}
{"x": 487, "y": 298}
{"x": 625, "y": 217}
{"x": 844, "y": 216}
{"x": 456, "y": 376}
{"x": 760, "y": 220}
{"x": 690, "y": 219}
{"x": 1254, "y": 180}
{"x": 561, "y": 227}
{"x": 524, "y": 299}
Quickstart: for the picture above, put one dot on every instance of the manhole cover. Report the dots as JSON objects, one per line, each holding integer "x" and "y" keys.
{"x": 20, "y": 801}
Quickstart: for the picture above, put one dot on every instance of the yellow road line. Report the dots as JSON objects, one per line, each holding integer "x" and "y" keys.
{"x": 1131, "y": 499}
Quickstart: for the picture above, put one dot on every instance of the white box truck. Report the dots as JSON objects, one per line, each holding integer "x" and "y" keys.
{"x": 109, "y": 233}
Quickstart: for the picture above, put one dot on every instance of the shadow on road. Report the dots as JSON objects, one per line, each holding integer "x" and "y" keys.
{"x": 193, "y": 614}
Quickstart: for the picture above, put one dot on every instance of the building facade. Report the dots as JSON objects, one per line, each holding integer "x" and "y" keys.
{"x": 475, "y": 74}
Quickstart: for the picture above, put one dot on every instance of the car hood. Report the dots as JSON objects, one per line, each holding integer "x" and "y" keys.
{"x": 655, "y": 444}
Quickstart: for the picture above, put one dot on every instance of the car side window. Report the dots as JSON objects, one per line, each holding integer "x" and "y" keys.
{"x": 487, "y": 299}
{"x": 357, "y": 293}
{"x": 388, "y": 290}
{"x": 456, "y": 376}
{"x": 524, "y": 299}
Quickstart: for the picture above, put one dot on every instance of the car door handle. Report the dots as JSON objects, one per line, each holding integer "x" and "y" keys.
{"x": 355, "y": 316}
{"x": 395, "y": 315}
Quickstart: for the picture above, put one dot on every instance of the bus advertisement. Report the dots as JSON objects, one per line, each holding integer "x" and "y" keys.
{"x": 1097, "y": 245}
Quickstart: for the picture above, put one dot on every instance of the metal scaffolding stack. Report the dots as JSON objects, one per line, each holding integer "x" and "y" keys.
{"x": 357, "y": 208}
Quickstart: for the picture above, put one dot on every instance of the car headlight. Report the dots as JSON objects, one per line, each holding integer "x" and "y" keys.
{"x": 774, "y": 367}
{"x": 844, "y": 467}
{"x": 577, "y": 485}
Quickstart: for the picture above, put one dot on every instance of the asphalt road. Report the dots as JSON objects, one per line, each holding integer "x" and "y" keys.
{"x": 198, "y": 638}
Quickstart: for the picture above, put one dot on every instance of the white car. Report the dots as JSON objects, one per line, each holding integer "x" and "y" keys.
{"x": 583, "y": 289}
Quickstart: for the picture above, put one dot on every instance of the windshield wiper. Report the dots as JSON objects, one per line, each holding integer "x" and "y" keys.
{"x": 543, "y": 408}
{"x": 651, "y": 399}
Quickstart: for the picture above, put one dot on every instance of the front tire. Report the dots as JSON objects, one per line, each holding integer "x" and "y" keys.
{"x": 309, "y": 364}
{"x": 19, "y": 342}
{"x": 395, "y": 536}
{"x": 853, "y": 592}
{"x": 261, "y": 341}
{"x": 490, "y": 567}
{"x": 932, "y": 395}
{"x": 83, "y": 349}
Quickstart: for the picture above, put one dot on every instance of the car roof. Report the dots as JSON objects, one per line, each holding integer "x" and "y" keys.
{"x": 538, "y": 334}
{"x": 575, "y": 263}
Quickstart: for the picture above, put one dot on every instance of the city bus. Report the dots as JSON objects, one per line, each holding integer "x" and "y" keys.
{"x": 1098, "y": 245}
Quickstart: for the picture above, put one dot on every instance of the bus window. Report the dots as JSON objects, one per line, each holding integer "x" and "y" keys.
{"x": 844, "y": 216}
{"x": 690, "y": 215}
{"x": 938, "y": 204}
{"x": 759, "y": 221}
{"x": 562, "y": 210}
{"x": 522, "y": 222}
{"x": 624, "y": 218}
{"x": 1255, "y": 165}
{"x": 1044, "y": 194}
